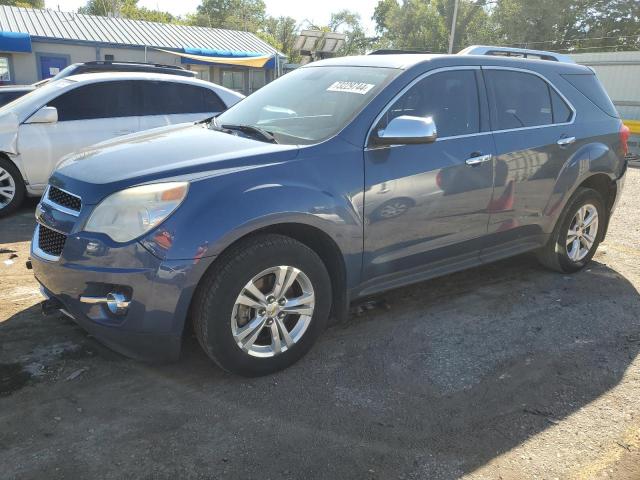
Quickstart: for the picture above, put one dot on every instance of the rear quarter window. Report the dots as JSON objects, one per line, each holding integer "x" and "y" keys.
{"x": 589, "y": 85}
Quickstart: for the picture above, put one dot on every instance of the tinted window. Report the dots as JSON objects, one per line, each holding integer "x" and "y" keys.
{"x": 518, "y": 99}
{"x": 591, "y": 88}
{"x": 10, "y": 97}
{"x": 168, "y": 98}
{"x": 561, "y": 111}
{"x": 97, "y": 100}
{"x": 451, "y": 98}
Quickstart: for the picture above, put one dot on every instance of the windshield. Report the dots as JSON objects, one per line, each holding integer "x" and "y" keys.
{"x": 310, "y": 104}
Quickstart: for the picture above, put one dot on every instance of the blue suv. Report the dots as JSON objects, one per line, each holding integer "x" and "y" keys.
{"x": 342, "y": 179}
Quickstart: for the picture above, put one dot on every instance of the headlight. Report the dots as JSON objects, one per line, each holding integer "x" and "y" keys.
{"x": 131, "y": 213}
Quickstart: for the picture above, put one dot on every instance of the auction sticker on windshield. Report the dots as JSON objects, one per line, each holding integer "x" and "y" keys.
{"x": 350, "y": 87}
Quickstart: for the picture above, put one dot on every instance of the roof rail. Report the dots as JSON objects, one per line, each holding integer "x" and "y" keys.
{"x": 516, "y": 52}
{"x": 393, "y": 51}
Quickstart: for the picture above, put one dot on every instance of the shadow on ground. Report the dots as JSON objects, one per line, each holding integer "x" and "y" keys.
{"x": 455, "y": 372}
{"x": 19, "y": 227}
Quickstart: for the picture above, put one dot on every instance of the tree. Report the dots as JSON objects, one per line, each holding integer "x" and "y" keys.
{"x": 349, "y": 23}
{"x": 281, "y": 33}
{"x": 426, "y": 24}
{"x": 125, "y": 9}
{"x": 246, "y": 15}
{"x": 23, "y": 3}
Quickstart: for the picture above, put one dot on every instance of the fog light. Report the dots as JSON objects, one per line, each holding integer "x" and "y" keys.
{"x": 117, "y": 303}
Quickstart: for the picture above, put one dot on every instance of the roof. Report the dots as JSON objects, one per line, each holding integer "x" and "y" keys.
{"x": 57, "y": 25}
{"x": 407, "y": 61}
{"x": 400, "y": 60}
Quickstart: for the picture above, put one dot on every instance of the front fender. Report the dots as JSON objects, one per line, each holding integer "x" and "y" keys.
{"x": 219, "y": 211}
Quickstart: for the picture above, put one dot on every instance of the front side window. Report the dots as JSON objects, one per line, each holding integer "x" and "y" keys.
{"x": 449, "y": 97}
{"x": 96, "y": 100}
{"x": 310, "y": 104}
{"x": 518, "y": 100}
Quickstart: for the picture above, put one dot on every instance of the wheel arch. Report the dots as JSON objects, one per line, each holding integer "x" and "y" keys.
{"x": 311, "y": 236}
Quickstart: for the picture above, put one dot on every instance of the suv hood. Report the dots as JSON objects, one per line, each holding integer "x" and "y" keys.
{"x": 184, "y": 151}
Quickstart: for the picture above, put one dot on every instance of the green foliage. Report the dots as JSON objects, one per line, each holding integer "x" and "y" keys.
{"x": 125, "y": 9}
{"x": 281, "y": 33}
{"x": 246, "y": 15}
{"x": 425, "y": 25}
{"x": 23, "y": 3}
{"x": 565, "y": 25}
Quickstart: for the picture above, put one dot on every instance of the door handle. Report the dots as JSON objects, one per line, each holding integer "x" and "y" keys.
{"x": 564, "y": 141}
{"x": 478, "y": 159}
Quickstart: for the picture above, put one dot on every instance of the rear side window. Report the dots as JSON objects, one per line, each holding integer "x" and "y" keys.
{"x": 590, "y": 87}
{"x": 561, "y": 111}
{"x": 450, "y": 97}
{"x": 169, "y": 98}
{"x": 518, "y": 100}
{"x": 96, "y": 100}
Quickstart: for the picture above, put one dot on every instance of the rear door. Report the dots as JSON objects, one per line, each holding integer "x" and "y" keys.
{"x": 535, "y": 136}
{"x": 425, "y": 205}
{"x": 166, "y": 103}
{"x": 88, "y": 114}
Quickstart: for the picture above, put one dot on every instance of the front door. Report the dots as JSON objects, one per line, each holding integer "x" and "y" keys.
{"x": 51, "y": 65}
{"x": 425, "y": 205}
{"x": 87, "y": 115}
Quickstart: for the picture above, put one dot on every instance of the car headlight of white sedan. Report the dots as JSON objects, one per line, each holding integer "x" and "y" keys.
{"x": 130, "y": 213}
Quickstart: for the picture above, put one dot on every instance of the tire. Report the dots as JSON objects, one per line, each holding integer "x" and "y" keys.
{"x": 11, "y": 183}
{"x": 559, "y": 254}
{"x": 220, "y": 321}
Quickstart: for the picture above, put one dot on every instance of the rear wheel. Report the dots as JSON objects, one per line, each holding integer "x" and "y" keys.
{"x": 575, "y": 239}
{"x": 12, "y": 189}
{"x": 263, "y": 305}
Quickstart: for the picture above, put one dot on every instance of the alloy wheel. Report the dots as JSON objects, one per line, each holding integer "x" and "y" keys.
{"x": 273, "y": 311}
{"x": 582, "y": 234}
{"x": 7, "y": 188}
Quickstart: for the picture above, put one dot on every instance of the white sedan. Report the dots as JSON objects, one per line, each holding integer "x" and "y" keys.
{"x": 67, "y": 115}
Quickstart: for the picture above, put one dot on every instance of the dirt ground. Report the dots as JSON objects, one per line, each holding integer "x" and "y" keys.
{"x": 503, "y": 372}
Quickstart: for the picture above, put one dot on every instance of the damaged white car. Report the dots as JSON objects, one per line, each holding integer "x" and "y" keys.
{"x": 68, "y": 115}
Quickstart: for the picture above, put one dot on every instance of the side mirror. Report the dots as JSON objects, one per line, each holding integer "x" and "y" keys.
{"x": 405, "y": 130}
{"x": 44, "y": 115}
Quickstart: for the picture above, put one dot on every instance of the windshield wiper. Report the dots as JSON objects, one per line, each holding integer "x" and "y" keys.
{"x": 248, "y": 129}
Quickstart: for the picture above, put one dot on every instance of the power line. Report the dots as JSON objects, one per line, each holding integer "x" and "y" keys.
{"x": 574, "y": 40}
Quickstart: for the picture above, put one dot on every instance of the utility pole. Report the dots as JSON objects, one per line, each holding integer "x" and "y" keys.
{"x": 453, "y": 26}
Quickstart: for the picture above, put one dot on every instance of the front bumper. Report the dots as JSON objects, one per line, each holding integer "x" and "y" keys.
{"x": 159, "y": 293}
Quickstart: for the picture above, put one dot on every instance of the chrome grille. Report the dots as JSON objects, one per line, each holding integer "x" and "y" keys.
{"x": 64, "y": 199}
{"x": 50, "y": 241}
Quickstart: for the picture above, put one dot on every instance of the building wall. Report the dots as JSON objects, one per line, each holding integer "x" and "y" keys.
{"x": 619, "y": 73}
{"x": 26, "y": 67}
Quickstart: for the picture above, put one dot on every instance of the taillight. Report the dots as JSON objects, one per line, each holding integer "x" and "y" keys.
{"x": 624, "y": 138}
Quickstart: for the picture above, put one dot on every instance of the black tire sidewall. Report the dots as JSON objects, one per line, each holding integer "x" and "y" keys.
{"x": 219, "y": 339}
{"x": 583, "y": 197}
{"x": 19, "y": 195}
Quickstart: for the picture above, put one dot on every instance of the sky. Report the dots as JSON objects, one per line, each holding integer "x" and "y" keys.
{"x": 317, "y": 11}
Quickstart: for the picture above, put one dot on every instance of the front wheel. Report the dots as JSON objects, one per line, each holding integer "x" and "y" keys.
{"x": 575, "y": 239}
{"x": 12, "y": 191}
{"x": 263, "y": 305}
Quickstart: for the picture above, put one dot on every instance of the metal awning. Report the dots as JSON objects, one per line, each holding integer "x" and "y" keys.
{"x": 15, "y": 42}
{"x": 224, "y": 57}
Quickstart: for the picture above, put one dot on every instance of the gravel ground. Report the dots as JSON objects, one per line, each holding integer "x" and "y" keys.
{"x": 506, "y": 371}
